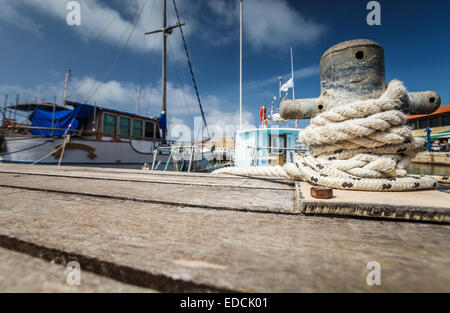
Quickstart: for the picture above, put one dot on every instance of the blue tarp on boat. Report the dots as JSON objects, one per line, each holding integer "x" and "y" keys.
{"x": 67, "y": 119}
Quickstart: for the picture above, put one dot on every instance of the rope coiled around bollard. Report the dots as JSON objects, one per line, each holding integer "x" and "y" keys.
{"x": 364, "y": 145}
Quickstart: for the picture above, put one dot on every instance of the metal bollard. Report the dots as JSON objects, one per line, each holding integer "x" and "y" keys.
{"x": 354, "y": 70}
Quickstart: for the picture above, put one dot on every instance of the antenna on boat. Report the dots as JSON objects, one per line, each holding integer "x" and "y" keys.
{"x": 94, "y": 121}
{"x": 281, "y": 83}
{"x": 66, "y": 85}
{"x": 165, "y": 30}
{"x": 15, "y": 107}
{"x": 138, "y": 101}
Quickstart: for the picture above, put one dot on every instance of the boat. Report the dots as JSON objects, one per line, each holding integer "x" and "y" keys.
{"x": 271, "y": 144}
{"x": 266, "y": 147}
{"x": 89, "y": 135}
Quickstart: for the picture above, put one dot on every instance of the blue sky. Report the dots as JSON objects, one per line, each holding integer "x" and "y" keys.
{"x": 37, "y": 47}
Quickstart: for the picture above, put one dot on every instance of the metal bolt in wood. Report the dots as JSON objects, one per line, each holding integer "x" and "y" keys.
{"x": 321, "y": 193}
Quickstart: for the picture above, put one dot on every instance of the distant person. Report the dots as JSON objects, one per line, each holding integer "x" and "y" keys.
{"x": 163, "y": 126}
{"x": 445, "y": 146}
{"x": 428, "y": 130}
{"x": 436, "y": 146}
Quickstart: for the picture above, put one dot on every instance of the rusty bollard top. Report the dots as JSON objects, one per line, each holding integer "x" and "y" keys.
{"x": 354, "y": 70}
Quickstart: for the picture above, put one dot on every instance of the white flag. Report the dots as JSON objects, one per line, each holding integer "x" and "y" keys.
{"x": 287, "y": 85}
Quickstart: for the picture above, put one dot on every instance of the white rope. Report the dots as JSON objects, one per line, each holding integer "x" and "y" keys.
{"x": 63, "y": 146}
{"x": 66, "y": 141}
{"x": 442, "y": 179}
{"x": 364, "y": 145}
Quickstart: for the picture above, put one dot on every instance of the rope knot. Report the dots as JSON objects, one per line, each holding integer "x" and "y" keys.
{"x": 362, "y": 145}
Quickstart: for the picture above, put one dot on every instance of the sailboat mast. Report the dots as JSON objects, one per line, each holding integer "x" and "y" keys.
{"x": 165, "y": 30}
{"x": 240, "y": 70}
{"x": 164, "y": 61}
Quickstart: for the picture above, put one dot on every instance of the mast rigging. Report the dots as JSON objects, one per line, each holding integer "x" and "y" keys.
{"x": 191, "y": 70}
{"x": 165, "y": 30}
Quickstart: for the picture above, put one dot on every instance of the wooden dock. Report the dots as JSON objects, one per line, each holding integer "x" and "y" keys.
{"x": 433, "y": 158}
{"x": 137, "y": 231}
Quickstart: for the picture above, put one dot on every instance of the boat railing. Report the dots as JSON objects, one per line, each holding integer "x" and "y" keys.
{"x": 255, "y": 149}
{"x": 174, "y": 150}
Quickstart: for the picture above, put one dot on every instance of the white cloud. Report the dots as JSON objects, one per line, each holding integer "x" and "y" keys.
{"x": 227, "y": 10}
{"x": 112, "y": 94}
{"x": 97, "y": 18}
{"x": 41, "y": 92}
{"x": 299, "y": 74}
{"x": 177, "y": 121}
{"x": 267, "y": 23}
{"x": 220, "y": 123}
{"x": 307, "y": 71}
{"x": 227, "y": 123}
{"x": 122, "y": 96}
{"x": 9, "y": 13}
{"x": 276, "y": 24}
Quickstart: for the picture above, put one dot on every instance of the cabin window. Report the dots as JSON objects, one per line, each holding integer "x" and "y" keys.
{"x": 435, "y": 122}
{"x": 278, "y": 142}
{"x": 137, "y": 128}
{"x": 109, "y": 123}
{"x": 446, "y": 120}
{"x": 149, "y": 130}
{"x": 423, "y": 123}
{"x": 125, "y": 126}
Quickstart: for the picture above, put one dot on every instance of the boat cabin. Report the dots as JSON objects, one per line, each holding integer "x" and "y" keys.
{"x": 266, "y": 146}
{"x": 86, "y": 121}
{"x": 115, "y": 125}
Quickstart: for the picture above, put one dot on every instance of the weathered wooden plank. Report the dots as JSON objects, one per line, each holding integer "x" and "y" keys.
{"x": 425, "y": 205}
{"x": 154, "y": 177}
{"x": 232, "y": 250}
{"x": 98, "y": 170}
{"x": 227, "y": 198}
{"x": 23, "y": 273}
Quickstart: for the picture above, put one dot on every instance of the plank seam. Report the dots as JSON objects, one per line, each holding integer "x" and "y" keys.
{"x": 188, "y": 205}
{"x": 118, "y": 272}
{"x": 145, "y": 181}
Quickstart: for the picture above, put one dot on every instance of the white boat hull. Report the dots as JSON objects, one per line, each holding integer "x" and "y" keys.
{"x": 28, "y": 150}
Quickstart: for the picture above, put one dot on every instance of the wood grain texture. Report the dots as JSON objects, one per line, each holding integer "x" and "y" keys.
{"x": 22, "y": 273}
{"x": 420, "y": 206}
{"x": 194, "y": 179}
{"x": 224, "y": 250}
{"x": 174, "y": 232}
{"x": 211, "y": 197}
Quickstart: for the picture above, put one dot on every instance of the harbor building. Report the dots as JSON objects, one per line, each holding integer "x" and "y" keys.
{"x": 438, "y": 122}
